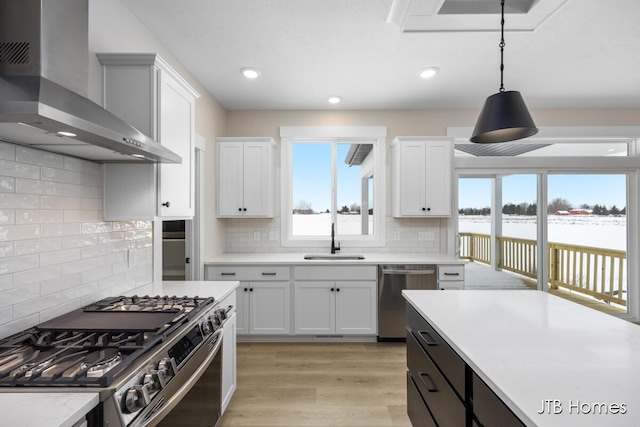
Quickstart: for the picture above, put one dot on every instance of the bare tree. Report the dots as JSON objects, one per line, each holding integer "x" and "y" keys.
{"x": 354, "y": 208}
{"x": 559, "y": 204}
{"x": 303, "y": 207}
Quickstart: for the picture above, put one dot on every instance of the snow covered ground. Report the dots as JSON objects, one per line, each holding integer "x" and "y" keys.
{"x": 600, "y": 232}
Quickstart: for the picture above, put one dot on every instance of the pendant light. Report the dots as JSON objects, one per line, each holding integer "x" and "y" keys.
{"x": 504, "y": 116}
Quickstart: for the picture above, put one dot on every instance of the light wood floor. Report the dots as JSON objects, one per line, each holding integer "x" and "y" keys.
{"x": 319, "y": 384}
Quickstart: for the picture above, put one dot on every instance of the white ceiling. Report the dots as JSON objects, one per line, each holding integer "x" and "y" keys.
{"x": 585, "y": 55}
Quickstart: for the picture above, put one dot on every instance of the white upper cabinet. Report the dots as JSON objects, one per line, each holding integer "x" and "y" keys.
{"x": 421, "y": 176}
{"x": 246, "y": 177}
{"x": 145, "y": 91}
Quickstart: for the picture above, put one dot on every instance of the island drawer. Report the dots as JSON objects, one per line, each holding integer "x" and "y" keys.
{"x": 489, "y": 408}
{"x": 416, "y": 408}
{"x": 445, "y": 358}
{"x": 443, "y": 403}
{"x": 242, "y": 273}
{"x": 450, "y": 272}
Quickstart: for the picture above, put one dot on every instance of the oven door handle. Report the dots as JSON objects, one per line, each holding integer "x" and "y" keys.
{"x": 157, "y": 416}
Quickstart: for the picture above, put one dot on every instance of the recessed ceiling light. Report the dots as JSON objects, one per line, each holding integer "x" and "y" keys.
{"x": 250, "y": 73}
{"x": 334, "y": 99}
{"x": 427, "y": 73}
{"x": 65, "y": 133}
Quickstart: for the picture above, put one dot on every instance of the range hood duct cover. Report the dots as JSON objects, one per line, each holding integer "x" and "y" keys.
{"x": 44, "y": 61}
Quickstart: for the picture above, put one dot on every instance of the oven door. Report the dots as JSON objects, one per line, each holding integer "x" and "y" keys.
{"x": 193, "y": 397}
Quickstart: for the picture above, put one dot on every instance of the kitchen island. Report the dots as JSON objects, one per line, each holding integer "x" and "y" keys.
{"x": 551, "y": 362}
{"x": 44, "y": 406}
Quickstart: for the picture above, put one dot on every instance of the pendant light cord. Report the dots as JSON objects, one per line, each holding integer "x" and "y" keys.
{"x": 502, "y": 50}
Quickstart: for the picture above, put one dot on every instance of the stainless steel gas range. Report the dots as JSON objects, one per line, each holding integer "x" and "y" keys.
{"x": 147, "y": 357}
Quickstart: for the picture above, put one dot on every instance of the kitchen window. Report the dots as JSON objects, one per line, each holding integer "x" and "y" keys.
{"x": 333, "y": 175}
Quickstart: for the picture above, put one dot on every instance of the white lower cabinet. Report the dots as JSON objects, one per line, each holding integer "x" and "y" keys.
{"x": 341, "y": 307}
{"x": 451, "y": 277}
{"x": 264, "y": 308}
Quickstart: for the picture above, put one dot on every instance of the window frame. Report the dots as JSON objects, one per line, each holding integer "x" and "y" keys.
{"x": 375, "y": 135}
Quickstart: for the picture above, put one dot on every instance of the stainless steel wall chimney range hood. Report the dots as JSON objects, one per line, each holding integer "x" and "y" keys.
{"x": 44, "y": 61}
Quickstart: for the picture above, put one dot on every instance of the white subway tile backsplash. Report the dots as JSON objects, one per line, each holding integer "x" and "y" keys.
{"x": 79, "y": 266}
{"x": 55, "y": 252}
{"x": 36, "y": 246}
{"x": 38, "y": 157}
{"x": 60, "y": 202}
{"x": 38, "y": 216}
{"x": 79, "y": 165}
{"x": 60, "y": 175}
{"x": 33, "y": 186}
{"x": 6, "y": 249}
{"x": 7, "y": 184}
{"x": 80, "y": 241}
{"x": 60, "y": 257}
{"x": 58, "y": 230}
{"x": 81, "y": 215}
{"x": 97, "y": 227}
{"x": 7, "y": 216}
{"x": 60, "y": 284}
{"x": 17, "y": 201}
{"x": 19, "y": 170}
{"x": 19, "y": 232}
{"x": 37, "y": 275}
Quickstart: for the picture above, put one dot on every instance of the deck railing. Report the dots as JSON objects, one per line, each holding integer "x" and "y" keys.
{"x": 597, "y": 272}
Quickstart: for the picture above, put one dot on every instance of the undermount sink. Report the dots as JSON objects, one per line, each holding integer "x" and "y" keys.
{"x": 329, "y": 257}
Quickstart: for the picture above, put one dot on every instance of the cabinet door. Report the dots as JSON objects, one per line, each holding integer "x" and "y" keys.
{"x": 228, "y": 361}
{"x": 256, "y": 179}
{"x": 270, "y": 307}
{"x": 315, "y": 308}
{"x": 230, "y": 178}
{"x": 356, "y": 308}
{"x": 176, "y": 133}
{"x": 438, "y": 179}
{"x": 242, "y": 308}
{"x": 412, "y": 179}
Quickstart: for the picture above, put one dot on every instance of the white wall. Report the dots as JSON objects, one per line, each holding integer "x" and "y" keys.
{"x": 55, "y": 252}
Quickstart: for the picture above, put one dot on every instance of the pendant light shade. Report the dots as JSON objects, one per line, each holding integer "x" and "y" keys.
{"x": 504, "y": 117}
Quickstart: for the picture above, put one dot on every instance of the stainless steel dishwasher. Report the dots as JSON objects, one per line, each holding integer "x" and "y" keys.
{"x": 392, "y": 280}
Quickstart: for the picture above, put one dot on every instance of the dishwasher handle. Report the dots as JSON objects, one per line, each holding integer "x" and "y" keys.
{"x": 407, "y": 272}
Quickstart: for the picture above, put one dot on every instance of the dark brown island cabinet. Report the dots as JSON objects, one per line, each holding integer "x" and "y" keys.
{"x": 442, "y": 390}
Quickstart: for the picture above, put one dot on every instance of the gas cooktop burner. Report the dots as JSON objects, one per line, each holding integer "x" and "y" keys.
{"x": 89, "y": 346}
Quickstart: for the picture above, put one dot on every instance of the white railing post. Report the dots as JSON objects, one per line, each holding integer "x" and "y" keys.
{"x": 496, "y": 221}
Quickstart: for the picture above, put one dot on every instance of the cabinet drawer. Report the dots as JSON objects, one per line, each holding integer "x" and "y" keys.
{"x": 451, "y": 285}
{"x": 443, "y": 403}
{"x": 326, "y": 272}
{"x": 450, "y": 272}
{"x": 489, "y": 409}
{"x": 449, "y": 363}
{"x": 416, "y": 408}
{"x": 246, "y": 274}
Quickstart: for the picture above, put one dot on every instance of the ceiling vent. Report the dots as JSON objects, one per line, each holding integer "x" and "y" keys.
{"x": 423, "y": 16}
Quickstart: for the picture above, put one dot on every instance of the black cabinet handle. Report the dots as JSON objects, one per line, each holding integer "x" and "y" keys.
{"x": 424, "y": 209}
{"x": 332, "y": 289}
{"x": 451, "y": 274}
{"x": 167, "y": 204}
{"x": 250, "y": 289}
{"x": 431, "y": 387}
{"x": 428, "y": 209}
{"x": 239, "y": 209}
{"x": 227, "y": 274}
{"x": 246, "y": 289}
{"x": 427, "y": 338}
{"x": 244, "y": 209}
{"x": 268, "y": 274}
{"x": 337, "y": 289}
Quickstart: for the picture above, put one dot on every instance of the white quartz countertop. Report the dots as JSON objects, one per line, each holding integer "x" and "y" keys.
{"x": 372, "y": 258}
{"x": 36, "y": 409}
{"x": 530, "y": 346}
{"x": 45, "y": 409}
